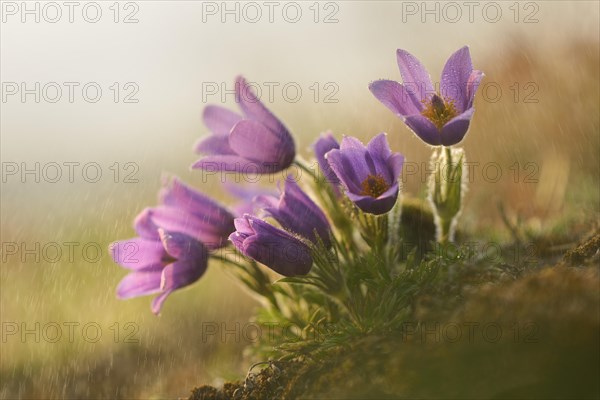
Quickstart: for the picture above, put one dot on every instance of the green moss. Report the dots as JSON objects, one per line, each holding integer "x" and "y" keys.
{"x": 531, "y": 334}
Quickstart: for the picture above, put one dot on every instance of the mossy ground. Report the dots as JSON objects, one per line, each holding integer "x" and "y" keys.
{"x": 521, "y": 332}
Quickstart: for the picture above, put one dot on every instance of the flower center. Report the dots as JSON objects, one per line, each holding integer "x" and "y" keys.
{"x": 374, "y": 186}
{"x": 439, "y": 111}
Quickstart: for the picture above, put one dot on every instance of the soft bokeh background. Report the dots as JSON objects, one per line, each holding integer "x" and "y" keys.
{"x": 170, "y": 53}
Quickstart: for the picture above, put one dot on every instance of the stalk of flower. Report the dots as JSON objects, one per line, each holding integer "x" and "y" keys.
{"x": 173, "y": 243}
{"x": 254, "y": 141}
{"x": 447, "y": 185}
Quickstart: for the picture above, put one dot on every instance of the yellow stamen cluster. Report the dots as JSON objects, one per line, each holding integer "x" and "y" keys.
{"x": 439, "y": 111}
{"x": 374, "y": 186}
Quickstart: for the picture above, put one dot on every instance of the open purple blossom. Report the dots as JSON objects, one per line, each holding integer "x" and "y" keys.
{"x": 160, "y": 262}
{"x": 252, "y": 142}
{"x": 437, "y": 118}
{"x": 296, "y": 212}
{"x": 271, "y": 246}
{"x": 174, "y": 238}
{"x": 185, "y": 210}
{"x": 324, "y": 144}
{"x": 368, "y": 173}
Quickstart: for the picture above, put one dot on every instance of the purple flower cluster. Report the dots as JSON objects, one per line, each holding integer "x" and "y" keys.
{"x": 176, "y": 238}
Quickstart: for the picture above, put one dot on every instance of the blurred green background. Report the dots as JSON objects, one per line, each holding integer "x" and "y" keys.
{"x": 537, "y": 107}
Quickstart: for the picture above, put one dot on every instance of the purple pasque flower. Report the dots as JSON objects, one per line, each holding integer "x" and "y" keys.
{"x": 160, "y": 261}
{"x": 185, "y": 210}
{"x": 296, "y": 212}
{"x": 271, "y": 246}
{"x": 369, "y": 174}
{"x": 174, "y": 238}
{"x": 324, "y": 144}
{"x": 437, "y": 118}
{"x": 252, "y": 142}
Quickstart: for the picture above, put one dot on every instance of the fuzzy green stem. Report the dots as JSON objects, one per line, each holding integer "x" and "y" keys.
{"x": 302, "y": 165}
{"x": 228, "y": 261}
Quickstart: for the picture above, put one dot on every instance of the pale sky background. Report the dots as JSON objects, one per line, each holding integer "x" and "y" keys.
{"x": 171, "y": 52}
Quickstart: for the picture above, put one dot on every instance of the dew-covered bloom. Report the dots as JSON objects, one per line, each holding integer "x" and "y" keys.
{"x": 254, "y": 141}
{"x": 296, "y": 212}
{"x": 437, "y": 118}
{"x": 369, "y": 174}
{"x": 271, "y": 246}
{"x": 185, "y": 210}
{"x": 322, "y": 146}
{"x": 159, "y": 261}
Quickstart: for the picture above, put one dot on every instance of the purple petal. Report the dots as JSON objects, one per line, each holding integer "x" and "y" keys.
{"x": 296, "y": 212}
{"x": 456, "y": 129}
{"x": 176, "y": 276}
{"x": 229, "y": 163}
{"x": 414, "y": 75}
{"x": 322, "y": 146}
{"x": 380, "y": 152}
{"x": 144, "y": 226}
{"x": 396, "y": 161}
{"x": 455, "y": 77}
{"x": 379, "y": 146}
{"x": 253, "y": 108}
{"x": 350, "y": 167}
{"x": 209, "y": 231}
{"x": 242, "y": 226}
{"x": 138, "y": 254}
{"x": 396, "y": 97}
{"x": 219, "y": 120}
{"x": 158, "y": 301}
{"x": 276, "y": 249}
{"x": 472, "y": 85}
{"x": 379, "y": 205}
{"x": 267, "y": 201}
{"x": 349, "y": 142}
{"x": 252, "y": 140}
{"x": 139, "y": 283}
{"x": 176, "y": 194}
{"x": 424, "y": 129}
{"x": 182, "y": 247}
{"x": 214, "y": 144}
{"x": 182, "y": 273}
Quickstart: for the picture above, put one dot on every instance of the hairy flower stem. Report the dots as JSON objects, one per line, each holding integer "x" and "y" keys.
{"x": 446, "y": 189}
{"x": 260, "y": 283}
{"x": 304, "y": 167}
